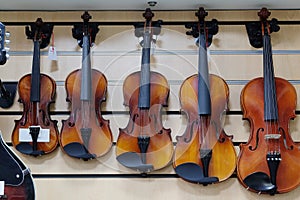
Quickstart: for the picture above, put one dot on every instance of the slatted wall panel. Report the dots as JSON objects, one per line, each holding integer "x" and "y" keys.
{"x": 116, "y": 53}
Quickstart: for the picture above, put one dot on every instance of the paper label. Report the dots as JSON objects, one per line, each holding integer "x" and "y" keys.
{"x": 2, "y": 184}
{"x": 24, "y": 135}
{"x": 52, "y": 55}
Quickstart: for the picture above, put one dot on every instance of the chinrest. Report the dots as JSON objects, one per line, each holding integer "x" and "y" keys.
{"x": 78, "y": 150}
{"x": 194, "y": 173}
{"x": 260, "y": 182}
{"x": 26, "y": 148}
{"x": 133, "y": 160}
{"x": 7, "y": 98}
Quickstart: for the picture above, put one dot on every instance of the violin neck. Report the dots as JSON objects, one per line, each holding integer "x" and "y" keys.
{"x": 35, "y": 74}
{"x": 144, "y": 94}
{"x": 270, "y": 100}
{"x": 86, "y": 71}
{"x": 204, "y": 102}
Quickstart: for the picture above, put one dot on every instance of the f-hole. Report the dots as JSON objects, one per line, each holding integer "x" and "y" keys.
{"x": 256, "y": 139}
{"x": 282, "y": 132}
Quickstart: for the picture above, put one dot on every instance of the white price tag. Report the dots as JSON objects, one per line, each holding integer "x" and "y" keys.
{"x": 52, "y": 55}
{"x": 2, "y": 184}
{"x": 24, "y": 135}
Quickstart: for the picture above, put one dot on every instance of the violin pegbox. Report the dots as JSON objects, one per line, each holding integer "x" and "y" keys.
{"x": 254, "y": 29}
{"x": 4, "y": 44}
{"x": 211, "y": 27}
{"x": 153, "y": 26}
{"x": 45, "y": 30}
{"x": 77, "y": 32}
{"x": 79, "y": 29}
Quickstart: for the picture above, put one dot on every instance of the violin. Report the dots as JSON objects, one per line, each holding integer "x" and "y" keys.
{"x": 204, "y": 154}
{"x": 85, "y": 134}
{"x": 15, "y": 177}
{"x": 145, "y": 145}
{"x": 269, "y": 161}
{"x": 35, "y": 133}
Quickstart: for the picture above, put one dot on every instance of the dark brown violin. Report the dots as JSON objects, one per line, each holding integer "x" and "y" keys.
{"x": 204, "y": 153}
{"x": 86, "y": 134}
{"x": 35, "y": 133}
{"x": 15, "y": 177}
{"x": 145, "y": 145}
{"x": 269, "y": 162}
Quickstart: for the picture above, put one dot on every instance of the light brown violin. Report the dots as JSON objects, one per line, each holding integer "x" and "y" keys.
{"x": 145, "y": 145}
{"x": 204, "y": 154}
{"x": 85, "y": 134}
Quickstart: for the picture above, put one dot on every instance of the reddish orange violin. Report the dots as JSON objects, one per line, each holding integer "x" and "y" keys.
{"x": 269, "y": 162}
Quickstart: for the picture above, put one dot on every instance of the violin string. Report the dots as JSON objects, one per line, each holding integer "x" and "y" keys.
{"x": 272, "y": 123}
{"x": 266, "y": 95}
{"x": 275, "y": 109}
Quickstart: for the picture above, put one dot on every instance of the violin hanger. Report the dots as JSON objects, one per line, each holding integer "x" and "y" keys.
{"x": 254, "y": 29}
{"x": 211, "y": 27}
{"x": 77, "y": 30}
{"x": 7, "y": 93}
{"x": 155, "y": 25}
{"x": 45, "y": 28}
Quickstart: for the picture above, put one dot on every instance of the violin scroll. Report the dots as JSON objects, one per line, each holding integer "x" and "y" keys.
{"x": 39, "y": 31}
{"x": 201, "y": 14}
{"x": 254, "y": 29}
{"x": 211, "y": 27}
{"x": 91, "y": 28}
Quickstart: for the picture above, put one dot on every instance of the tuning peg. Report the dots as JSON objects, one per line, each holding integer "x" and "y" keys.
{"x": 197, "y": 41}
{"x": 7, "y": 56}
{"x": 6, "y": 49}
{"x": 7, "y": 34}
{"x": 7, "y": 42}
{"x": 188, "y": 26}
{"x": 141, "y": 41}
{"x": 154, "y": 38}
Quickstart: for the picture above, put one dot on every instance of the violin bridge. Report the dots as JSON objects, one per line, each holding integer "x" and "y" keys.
{"x": 272, "y": 136}
{"x": 85, "y": 135}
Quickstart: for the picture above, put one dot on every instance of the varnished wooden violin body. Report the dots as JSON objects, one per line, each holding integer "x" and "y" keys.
{"x": 144, "y": 144}
{"x": 204, "y": 153}
{"x": 85, "y": 134}
{"x": 269, "y": 162}
{"x": 36, "y": 93}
